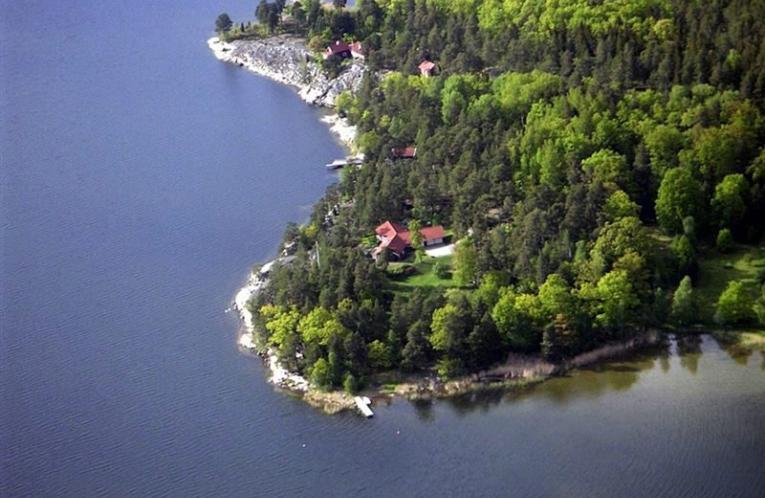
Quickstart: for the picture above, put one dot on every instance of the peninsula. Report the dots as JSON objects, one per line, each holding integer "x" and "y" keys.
{"x": 542, "y": 187}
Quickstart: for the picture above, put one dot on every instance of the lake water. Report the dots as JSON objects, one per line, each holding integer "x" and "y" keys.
{"x": 140, "y": 179}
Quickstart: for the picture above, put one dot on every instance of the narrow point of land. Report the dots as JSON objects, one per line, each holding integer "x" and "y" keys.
{"x": 523, "y": 196}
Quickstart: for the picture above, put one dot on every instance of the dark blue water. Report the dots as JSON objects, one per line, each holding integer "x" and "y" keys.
{"x": 140, "y": 179}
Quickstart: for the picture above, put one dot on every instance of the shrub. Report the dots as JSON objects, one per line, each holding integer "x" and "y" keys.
{"x": 317, "y": 43}
{"x": 332, "y": 66}
{"x": 759, "y": 308}
{"x": 448, "y": 367}
{"x": 344, "y": 103}
{"x": 724, "y": 240}
{"x": 401, "y": 271}
{"x": 350, "y": 385}
{"x": 441, "y": 270}
{"x": 378, "y": 355}
{"x": 320, "y": 374}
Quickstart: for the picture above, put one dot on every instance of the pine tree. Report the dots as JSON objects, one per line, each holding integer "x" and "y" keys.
{"x": 683, "y": 310}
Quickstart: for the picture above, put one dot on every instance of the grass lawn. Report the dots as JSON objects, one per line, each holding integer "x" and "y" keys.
{"x": 716, "y": 270}
{"x": 424, "y": 277}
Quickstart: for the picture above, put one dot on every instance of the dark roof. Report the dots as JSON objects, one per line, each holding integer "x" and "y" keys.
{"x": 338, "y": 47}
{"x": 404, "y": 152}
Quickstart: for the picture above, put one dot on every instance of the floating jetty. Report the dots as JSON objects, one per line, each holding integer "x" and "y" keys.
{"x": 348, "y": 161}
{"x": 362, "y": 402}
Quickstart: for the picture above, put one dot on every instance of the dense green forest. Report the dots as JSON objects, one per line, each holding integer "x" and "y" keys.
{"x": 599, "y": 164}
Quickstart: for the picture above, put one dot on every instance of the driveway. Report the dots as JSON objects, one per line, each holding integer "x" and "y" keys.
{"x": 440, "y": 251}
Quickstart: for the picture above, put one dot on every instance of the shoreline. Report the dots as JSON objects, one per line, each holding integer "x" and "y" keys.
{"x": 277, "y": 375}
{"x": 518, "y": 371}
{"x": 253, "y": 55}
{"x": 243, "y": 54}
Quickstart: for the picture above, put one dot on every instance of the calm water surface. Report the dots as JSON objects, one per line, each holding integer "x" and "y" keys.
{"x": 140, "y": 178}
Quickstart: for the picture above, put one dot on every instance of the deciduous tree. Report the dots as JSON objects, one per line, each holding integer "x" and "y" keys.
{"x": 465, "y": 260}
{"x": 679, "y": 196}
{"x": 734, "y": 307}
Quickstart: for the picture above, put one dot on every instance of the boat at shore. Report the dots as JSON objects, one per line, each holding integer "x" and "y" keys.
{"x": 356, "y": 160}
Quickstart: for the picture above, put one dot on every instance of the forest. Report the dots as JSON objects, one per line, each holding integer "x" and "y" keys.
{"x": 600, "y": 167}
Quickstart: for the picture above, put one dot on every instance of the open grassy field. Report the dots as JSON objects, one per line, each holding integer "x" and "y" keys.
{"x": 424, "y": 275}
{"x": 716, "y": 270}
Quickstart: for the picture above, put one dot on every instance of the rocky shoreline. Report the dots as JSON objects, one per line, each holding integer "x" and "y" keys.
{"x": 279, "y": 376}
{"x": 287, "y": 60}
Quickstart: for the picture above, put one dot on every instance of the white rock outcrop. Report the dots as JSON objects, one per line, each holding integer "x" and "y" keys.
{"x": 287, "y": 60}
{"x": 278, "y": 374}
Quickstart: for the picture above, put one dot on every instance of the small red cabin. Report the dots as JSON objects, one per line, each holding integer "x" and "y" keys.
{"x": 428, "y": 68}
{"x": 403, "y": 152}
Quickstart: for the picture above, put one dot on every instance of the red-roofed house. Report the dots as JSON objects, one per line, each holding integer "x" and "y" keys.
{"x": 403, "y": 152}
{"x": 397, "y": 238}
{"x": 433, "y": 235}
{"x": 338, "y": 48}
{"x": 428, "y": 68}
{"x": 357, "y": 51}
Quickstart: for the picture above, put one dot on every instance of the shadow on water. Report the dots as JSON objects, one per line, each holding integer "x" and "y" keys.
{"x": 424, "y": 410}
{"x": 729, "y": 342}
{"x": 479, "y": 401}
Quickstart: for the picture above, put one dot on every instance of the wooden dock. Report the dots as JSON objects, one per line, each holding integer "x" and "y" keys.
{"x": 348, "y": 161}
{"x": 362, "y": 402}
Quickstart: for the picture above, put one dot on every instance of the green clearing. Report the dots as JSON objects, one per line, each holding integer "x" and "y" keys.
{"x": 716, "y": 270}
{"x": 424, "y": 275}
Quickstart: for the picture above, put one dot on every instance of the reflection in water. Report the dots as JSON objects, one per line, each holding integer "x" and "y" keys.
{"x": 728, "y": 341}
{"x": 739, "y": 354}
{"x": 603, "y": 378}
{"x": 424, "y": 409}
{"x": 664, "y": 363}
{"x": 592, "y": 382}
{"x": 683, "y": 418}
{"x": 477, "y": 401}
{"x": 689, "y": 350}
{"x": 598, "y": 380}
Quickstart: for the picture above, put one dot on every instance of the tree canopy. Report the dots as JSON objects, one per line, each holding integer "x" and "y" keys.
{"x": 584, "y": 156}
